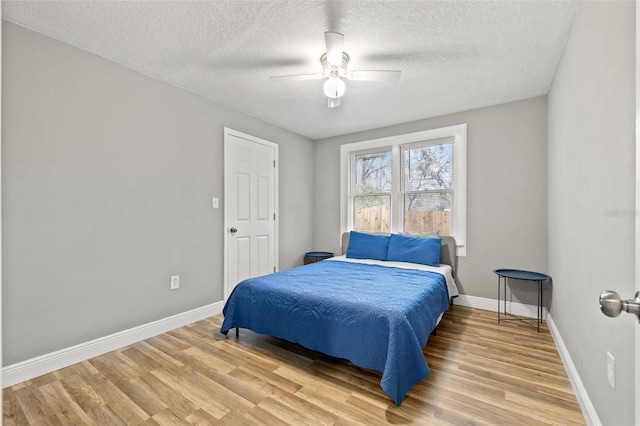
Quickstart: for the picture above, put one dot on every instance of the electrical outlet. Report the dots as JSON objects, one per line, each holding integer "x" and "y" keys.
{"x": 175, "y": 282}
{"x": 611, "y": 370}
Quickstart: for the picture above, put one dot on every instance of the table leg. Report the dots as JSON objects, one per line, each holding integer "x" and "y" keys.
{"x": 539, "y": 304}
{"x": 498, "y": 299}
{"x": 505, "y": 296}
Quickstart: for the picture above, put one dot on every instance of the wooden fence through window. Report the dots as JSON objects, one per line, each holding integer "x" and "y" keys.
{"x": 376, "y": 219}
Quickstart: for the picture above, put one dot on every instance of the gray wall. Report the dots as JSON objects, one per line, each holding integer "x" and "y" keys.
{"x": 107, "y": 179}
{"x": 506, "y": 194}
{"x": 591, "y": 199}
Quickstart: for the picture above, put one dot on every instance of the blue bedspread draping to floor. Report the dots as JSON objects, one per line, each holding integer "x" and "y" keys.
{"x": 377, "y": 317}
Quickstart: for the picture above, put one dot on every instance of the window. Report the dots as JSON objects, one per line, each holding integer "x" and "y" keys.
{"x": 414, "y": 183}
{"x": 371, "y": 191}
{"x": 427, "y": 186}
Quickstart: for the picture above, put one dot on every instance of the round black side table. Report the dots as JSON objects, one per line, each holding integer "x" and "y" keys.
{"x": 518, "y": 274}
{"x": 316, "y": 256}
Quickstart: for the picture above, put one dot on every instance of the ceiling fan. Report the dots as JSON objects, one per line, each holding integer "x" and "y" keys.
{"x": 334, "y": 69}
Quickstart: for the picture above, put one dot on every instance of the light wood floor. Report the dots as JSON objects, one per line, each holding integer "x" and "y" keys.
{"x": 481, "y": 373}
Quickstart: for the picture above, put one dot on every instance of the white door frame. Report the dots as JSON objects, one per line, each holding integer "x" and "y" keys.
{"x": 637, "y": 212}
{"x": 230, "y": 132}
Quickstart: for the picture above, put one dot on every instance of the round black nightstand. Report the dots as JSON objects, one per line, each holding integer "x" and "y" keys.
{"x": 316, "y": 256}
{"x": 518, "y": 274}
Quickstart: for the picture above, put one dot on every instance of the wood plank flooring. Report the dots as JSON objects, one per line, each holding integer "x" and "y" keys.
{"x": 482, "y": 373}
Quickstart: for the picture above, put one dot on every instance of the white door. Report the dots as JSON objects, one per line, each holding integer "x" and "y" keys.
{"x": 251, "y": 189}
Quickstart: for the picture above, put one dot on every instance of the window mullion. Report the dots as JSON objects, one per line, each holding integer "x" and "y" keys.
{"x": 397, "y": 206}
{"x": 429, "y": 191}
{"x": 371, "y": 194}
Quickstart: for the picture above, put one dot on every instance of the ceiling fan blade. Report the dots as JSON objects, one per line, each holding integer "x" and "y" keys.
{"x": 297, "y": 77}
{"x": 374, "y": 75}
{"x": 335, "y": 46}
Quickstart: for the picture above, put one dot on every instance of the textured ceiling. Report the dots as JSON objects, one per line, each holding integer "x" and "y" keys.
{"x": 454, "y": 55}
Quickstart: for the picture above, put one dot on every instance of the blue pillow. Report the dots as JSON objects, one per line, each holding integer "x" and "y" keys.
{"x": 425, "y": 251}
{"x": 367, "y": 246}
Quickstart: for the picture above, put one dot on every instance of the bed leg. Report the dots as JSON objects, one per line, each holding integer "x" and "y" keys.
{"x": 237, "y": 332}
{"x": 434, "y": 332}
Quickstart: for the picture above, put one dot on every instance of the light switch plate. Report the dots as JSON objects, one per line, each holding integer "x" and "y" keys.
{"x": 175, "y": 282}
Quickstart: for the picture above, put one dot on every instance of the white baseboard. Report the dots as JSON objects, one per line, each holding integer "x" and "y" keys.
{"x": 34, "y": 367}
{"x": 588, "y": 410}
{"x": 519, "y": 309}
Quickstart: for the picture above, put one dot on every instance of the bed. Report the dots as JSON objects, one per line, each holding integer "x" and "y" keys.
{"x": 376, "y": 313}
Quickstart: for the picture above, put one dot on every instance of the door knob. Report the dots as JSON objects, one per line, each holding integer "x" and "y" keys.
{"x": 612, "y": 305}
{"x": 233, "y": 230}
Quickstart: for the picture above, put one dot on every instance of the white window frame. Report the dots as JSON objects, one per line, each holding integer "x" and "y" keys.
{"x": 459, "y": 135}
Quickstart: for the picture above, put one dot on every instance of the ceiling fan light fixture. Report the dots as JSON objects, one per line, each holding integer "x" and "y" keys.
{"x": 334, "y": 87}
{"x": 334, "y": 68}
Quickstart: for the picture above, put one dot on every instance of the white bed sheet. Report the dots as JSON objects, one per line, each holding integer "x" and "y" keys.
{"x": 445, "y": 270}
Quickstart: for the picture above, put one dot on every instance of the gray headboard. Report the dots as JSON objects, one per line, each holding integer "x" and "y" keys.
{"x": 447, "y": 255}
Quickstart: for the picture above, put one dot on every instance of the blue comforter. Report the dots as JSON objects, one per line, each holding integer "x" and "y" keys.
{"x": 375, "y": 316}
